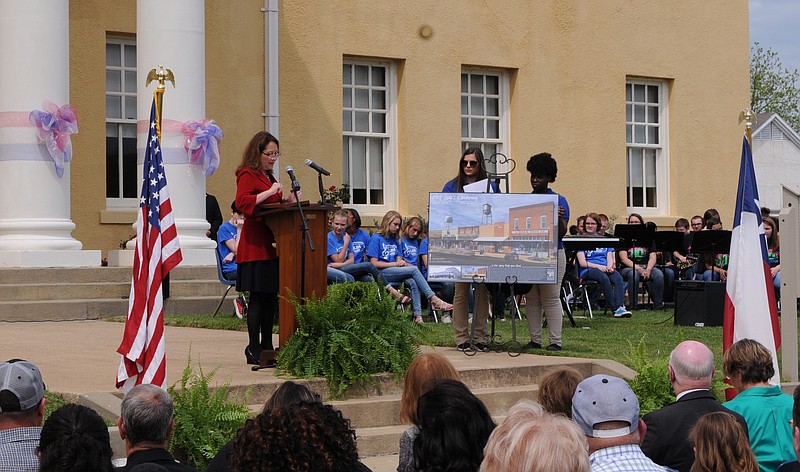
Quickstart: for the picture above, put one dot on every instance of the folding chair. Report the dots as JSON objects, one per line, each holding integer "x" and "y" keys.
{"x": 223, "y": 280}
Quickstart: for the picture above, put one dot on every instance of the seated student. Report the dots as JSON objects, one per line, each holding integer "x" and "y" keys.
{"x": 714, "y": 267}
{"x": 602, "y": 228}
{"x": 639, "y": 263}
{"x": 682, "y": 261}
{"x": 338, "y": 244}
{"x": 360, "y": 268}
{"x": 227, "y": 246}
{"x": 697, "y": 223}
{"x": 600, "y": 265}
{"x": 411, "y": 240}
{"x": 446, "y": 289}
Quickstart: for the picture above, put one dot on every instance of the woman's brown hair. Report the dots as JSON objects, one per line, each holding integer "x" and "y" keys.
{"x": 557, "y": 388}
{"x": 421, "y": 373}
{"x": 251, "y": 157}
{"x": 721, "y": 445}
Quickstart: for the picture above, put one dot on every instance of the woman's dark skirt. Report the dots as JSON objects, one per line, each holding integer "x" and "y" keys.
{"x": 258, "y": 276}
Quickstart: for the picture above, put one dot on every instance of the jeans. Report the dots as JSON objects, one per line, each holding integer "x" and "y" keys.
{"x": 407, "y": 274}
{"x": 656, "y": 285}
{"x": 363, "y": 271}
{"x": 614, "y": 297}
{"x": 670, "y": 274}
{"x": 336, "y": 276}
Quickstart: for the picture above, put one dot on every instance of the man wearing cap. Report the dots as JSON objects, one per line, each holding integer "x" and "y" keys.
{"x": 21, "y": 414}
{"x": 691, "y": 368}
{"x": 607, "y": 411}
{"x": 145, "y": 425}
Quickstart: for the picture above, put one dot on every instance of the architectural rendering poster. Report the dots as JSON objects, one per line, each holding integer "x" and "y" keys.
{"x": 490, "y": 237}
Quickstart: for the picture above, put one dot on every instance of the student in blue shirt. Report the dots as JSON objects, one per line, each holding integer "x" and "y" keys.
{"x": 338, "y": 243}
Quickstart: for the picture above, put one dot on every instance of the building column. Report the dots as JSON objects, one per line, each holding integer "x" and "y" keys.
{"x": 35, "y": 224}
{"x": 173, "y": 34}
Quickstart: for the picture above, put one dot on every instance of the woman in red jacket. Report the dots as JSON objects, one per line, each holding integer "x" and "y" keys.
{"x": 256, "y": 256}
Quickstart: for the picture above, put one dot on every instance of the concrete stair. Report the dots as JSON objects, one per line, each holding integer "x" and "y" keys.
{"x": 60, "y": 294}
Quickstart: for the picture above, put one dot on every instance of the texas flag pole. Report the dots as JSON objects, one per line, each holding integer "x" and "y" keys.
{"x": 750, "y": 307}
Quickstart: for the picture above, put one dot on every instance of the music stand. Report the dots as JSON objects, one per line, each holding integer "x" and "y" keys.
{"x": 635, "y": 235}
{"x": 713, "y": 241}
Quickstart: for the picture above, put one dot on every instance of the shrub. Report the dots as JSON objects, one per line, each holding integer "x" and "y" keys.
{"x": 204, "y": 420}
{"x": 353, "y": 332}
{"x": 651, "y": 384}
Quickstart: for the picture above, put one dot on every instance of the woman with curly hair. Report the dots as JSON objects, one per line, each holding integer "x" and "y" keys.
{"x": 721, "y": 445}
{"x": 75, "y": 437}
{"x": 453, "y": 430}
{"x": 306, "y": 437}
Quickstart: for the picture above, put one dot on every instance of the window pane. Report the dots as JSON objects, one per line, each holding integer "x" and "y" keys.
{"x": 638, "y": 92}
{"x": 129, "y": 181}
{"x": 628, "y": 92}
{"x": 629, "y": 112}
{"x": 347, "y": 74}
{"x": 128, "y": 130}
{"x": 375, "y": 163}
{"x": 464, "y": 83}
{"x": 130, "y": 56}
{"x": 476, "y": 128}
{"x": 358, "y": 162}
{"x": 476, "y": 105}
{"x": 638, "y": 113}
{"x": 130, "y": 81}
{"x": 465, "y": 127}
{"x": 346, "y": 160}
{"x": 475, "y": 83}
{"x": 378, "y": 100}
{"x": 493, "y": 129}
{"x": 378, "y": 76}
{"x": 130, "y": 108}
{"x": 628, "y": 133}
{"x": 639, "y": 134}
{"x": 113, "y": 107}
{"x": 492, "y": 107}
{"x": 347, "y": 121}
{"x": 362, "y": 75}
{"x": 493, "y": 84}
{"x": 113, "y": 55}
{"x": 113, "y": 81}
{"x": 652, "y": 114}
{"x": 635, "y": 171}
{"x": 650, "y": 167}
{"x": 464, "y": 105}
{"x": 652, "y": 93}
{"x": 347, "y": 97}
{"x": 362, "y": 122}
{"x": 652, "y": 135}
{"x": 378, "y": 122}
{"x": 112, "y": 164}
{"x": 362, "y": 98}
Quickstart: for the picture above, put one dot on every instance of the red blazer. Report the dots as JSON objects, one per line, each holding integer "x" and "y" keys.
{"x": 256, "y": 243}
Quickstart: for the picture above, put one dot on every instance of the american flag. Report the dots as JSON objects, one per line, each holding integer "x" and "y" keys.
{"x": 157, "y": 252}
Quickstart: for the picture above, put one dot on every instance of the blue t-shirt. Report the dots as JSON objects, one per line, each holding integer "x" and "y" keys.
{"x": 562, "y": 202}
{"x": 358, "y": 245}
{"x": 410, "y": 251}
{"x": 225, "y": 232}
{"x": 598, "y": 256}
{"x": 385, "y": 250}
{"x": 423, "y": 251}
{"x": 452, "y": 187}
{"x": 335, "y": 245}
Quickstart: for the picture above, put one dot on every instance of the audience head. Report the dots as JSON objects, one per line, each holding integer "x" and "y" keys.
{"x": 390, "y": 225}
{"x": 424, "y": 370}
{"x": 304, "y": 437}
{"x": 697, "y": 223}
{"x": 747, "y": 363}
{"x": 290, "y": 393}
{"x": 602, "y": 227}
{"x": 21, "y": 394}
{"x": 721, "y": 444}
{"x": 74, "y": 437}
{"x": 691, "y": 366}
{"x": 453, "y": 430}
{"x": 591, "y": 223}
{"x": 251, "y": 158}
{"x": 635, "y": 219}
{"x": 531, "y": 439}
{"x": 682, "y": 225}
{"x": 146, "y": 417}
{"x": 573, "y": 230}
{"x": 557, "y": 388}
{"x": 413, "y": 228}
{"x": 771, "y": 232}
{"x": 543, "y": 170}
{"x": 234, "y": 209}
{"x": 353, "y": 220}
{"x": 470, "y": 167}
{"x": 713, "y": 222}
{"x": 581, "y": 228}
{"x": 607, "y": 411}
{"x": 710, "y": 213}
{"x": 765, "y": 211}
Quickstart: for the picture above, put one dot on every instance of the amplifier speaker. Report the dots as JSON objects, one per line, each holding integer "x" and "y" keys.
{"x": 699, "y": 303}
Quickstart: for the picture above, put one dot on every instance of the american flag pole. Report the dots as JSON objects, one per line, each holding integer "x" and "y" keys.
{"x": 157, "y": 251}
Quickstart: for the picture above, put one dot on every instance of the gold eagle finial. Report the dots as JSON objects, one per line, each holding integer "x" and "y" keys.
{"x": 161, "y": 75}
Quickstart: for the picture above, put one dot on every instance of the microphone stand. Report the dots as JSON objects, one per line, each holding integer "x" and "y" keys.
{"x": 321, "y": 188}
{"x": 306, "y": 238}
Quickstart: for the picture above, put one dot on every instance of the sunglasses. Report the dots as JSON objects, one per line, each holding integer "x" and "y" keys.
{"x": 469, "y": 163}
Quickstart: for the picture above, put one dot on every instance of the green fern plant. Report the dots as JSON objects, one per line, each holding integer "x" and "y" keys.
{"x": 353, "y": 332}
{"x": 205, "y": 419}
{"x": 651, "y": 384}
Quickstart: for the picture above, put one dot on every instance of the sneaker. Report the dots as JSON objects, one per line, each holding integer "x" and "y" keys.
{"x": 464, "y": 347}
{"x": 480, "y": 347}
{"x": 553, "y": 347}
{"x": 239, "y": 307}
{"x": 622, "y": 312}
{"x": 446, "y": 319}
{"x": 533, "y": 345}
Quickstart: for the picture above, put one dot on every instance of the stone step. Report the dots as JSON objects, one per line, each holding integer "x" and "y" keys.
{"x": 69, "y": 290}
{"x": 95, "y": 274}
{"x": 91, "y": 309}
{"x": 387, "y": 463}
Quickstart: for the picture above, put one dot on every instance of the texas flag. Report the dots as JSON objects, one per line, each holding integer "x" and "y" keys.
{"x": 750, "y": 308}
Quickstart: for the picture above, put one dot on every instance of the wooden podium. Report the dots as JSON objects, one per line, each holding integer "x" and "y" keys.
{"x": 310, "y": 281}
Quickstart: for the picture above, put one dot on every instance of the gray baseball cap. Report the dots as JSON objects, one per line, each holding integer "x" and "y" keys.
{"x": 602, "y": 398}
{"x": 21, "y": 386}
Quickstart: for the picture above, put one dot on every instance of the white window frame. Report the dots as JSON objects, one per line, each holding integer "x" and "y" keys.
{"x": 661, "y": 207}
{"x": 503, "y": 141}
{"x": 122, "y": 202}
{"x": 390, "y": 151}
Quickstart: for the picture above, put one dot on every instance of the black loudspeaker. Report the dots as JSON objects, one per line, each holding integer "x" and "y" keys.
{"x": 699, "y": 303}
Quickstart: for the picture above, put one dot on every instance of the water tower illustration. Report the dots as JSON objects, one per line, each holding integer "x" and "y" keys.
{"x": 486, "y": 218}
{"x": 448, "y": 225}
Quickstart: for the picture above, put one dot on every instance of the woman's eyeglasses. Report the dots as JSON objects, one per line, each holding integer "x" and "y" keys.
{"x": 469, "y": 163}
{"x": 272, "y": 154}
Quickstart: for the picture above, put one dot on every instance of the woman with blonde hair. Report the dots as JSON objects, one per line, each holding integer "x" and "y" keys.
{"x": 385, "y": 253}
{"x": 721, "y": 445}
{"x": 423, "y": 371}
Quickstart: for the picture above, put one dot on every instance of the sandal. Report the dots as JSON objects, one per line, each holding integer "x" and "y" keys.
{"x": 403, "y": 299}
{"x": 439, "y": 304}
{"x": 418, "y": 319}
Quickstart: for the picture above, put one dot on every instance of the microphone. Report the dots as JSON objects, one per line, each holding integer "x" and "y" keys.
{"x": 295, "y": 183}
{"x": 316, "y": 167}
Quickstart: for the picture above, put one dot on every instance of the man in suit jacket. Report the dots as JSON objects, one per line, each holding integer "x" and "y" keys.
{"x": 666, "y": 442}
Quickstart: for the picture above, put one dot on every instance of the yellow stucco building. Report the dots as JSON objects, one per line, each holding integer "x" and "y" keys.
{"x": 637, "y": 100}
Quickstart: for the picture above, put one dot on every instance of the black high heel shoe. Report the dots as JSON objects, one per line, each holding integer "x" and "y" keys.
{"x": 252, "y": 358}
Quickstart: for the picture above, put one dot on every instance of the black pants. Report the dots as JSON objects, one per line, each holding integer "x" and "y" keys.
{"x": 261, "y": 313}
